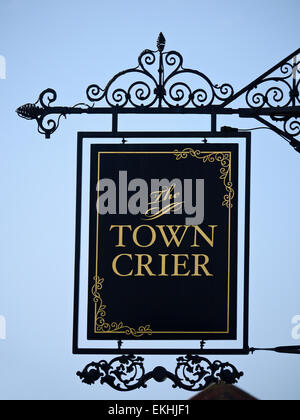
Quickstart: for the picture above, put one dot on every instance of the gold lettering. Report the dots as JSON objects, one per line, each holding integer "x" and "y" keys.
{"x": 174, "y": 237}
{"x": 177, "y": 264}
{"x": 135, "y": 233}
{"x": 114, "y": 265}
{"x": 145, "y": 265}
{"x": 163, "y": 265}
{"x": 210, "y": 241}
{"x": 159, "y": 197}
{"x": 201, "y": 265}
{"x": 121, "y": 234}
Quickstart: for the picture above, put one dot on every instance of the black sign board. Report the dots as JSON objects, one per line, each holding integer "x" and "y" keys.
{"x": 163, "y": 242}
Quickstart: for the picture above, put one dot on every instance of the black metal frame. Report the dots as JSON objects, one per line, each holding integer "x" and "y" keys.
{"x": 163, "y": 135}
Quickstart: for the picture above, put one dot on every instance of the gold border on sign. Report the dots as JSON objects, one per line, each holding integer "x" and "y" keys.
{"x": 103, "y": 327}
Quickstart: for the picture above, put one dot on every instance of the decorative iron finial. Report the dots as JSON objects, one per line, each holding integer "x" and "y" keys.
{"x": 161, "y": 42}
{"x": 28, "y": 111}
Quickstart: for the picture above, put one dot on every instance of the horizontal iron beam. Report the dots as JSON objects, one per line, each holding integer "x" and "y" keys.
{"x": 283, "y": 349}
{"x": 213, "y": 110}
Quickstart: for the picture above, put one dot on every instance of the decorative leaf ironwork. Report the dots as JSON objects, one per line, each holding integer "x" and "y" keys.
{"x": 124, "y": 373}
{"x": 127, "y": 373}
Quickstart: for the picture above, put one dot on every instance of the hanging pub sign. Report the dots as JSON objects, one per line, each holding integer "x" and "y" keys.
{"x": 161, "y": 226}
{"x": 162, "y": 252}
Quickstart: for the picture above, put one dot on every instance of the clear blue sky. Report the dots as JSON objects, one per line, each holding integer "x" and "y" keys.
{"x": 67, "y": 45}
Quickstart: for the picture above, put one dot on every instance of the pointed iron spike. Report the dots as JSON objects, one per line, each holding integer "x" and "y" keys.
{"x": 288, "y": 349}
{"x": 28, "y": 111}
{"x": 283, "y": 349}
{"x": 161, "y": 42}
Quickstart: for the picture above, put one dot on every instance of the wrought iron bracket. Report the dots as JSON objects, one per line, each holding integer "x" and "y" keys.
{"x": 127, "y": 373}
{"x": 282, "y": 349}
{"x": 160, "y": 84}
{"x": 193, "y": 372}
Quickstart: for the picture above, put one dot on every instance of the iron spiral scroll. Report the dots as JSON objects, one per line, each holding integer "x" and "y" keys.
{"x": 127, "y": 373}
{"x": 279, "y": 90}
{"x": 159, "y": 81}
{"x": 161, "y": 84}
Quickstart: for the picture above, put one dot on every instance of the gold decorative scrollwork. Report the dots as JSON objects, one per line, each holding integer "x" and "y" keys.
{"x": 102, "y": 326}
{"x": 224, "y": 158}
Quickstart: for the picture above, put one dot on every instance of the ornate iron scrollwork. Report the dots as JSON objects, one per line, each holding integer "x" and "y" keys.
{"x": 274, "y": 99}
{"x": 195, "y": 373}
{"x": 127, "y": 373}
{"x": 161, "y": 86}
{"x": 160, "y": 83}
{"x": 41, "y": 112}
{"x": 279, "y": 90}
{"x": 123, "y": 373}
